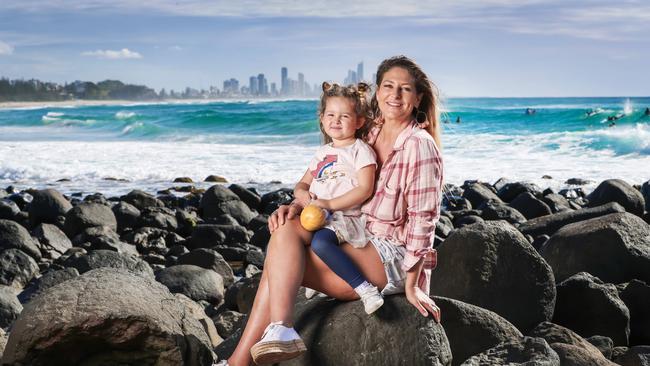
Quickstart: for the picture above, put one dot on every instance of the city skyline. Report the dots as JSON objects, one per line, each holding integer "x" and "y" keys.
{"x": 468, "y": 48}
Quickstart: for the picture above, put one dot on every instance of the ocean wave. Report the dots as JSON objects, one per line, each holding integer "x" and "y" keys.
{"x": 124, "y": 115}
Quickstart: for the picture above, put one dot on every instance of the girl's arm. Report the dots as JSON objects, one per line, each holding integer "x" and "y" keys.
{"x": 301, "y": 190}
{"x": 356, "y": 196}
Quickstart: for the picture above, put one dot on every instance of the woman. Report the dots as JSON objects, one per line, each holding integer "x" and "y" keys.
{"x": 401, "y": 217}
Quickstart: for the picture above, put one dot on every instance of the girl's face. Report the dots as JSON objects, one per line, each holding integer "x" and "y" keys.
{"x": 339, "y": 119}
{"x": 396, "y": 95}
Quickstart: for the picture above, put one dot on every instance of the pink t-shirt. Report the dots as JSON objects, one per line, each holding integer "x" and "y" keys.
{"x": 334, "y": 170}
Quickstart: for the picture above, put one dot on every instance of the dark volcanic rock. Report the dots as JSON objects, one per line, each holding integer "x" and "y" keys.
{"x": 530, "y": 206}
{"x": 556, "y": 202}
{"x": 635, "y": 356}
{"x": 471, "y": 329}
{"x": 206, "y": 236}
{"x": 16, "y": 268}
{"x": 209, "y": 259}
{"x": 479, "y": 193}
{"x": 46, "y": 281}
{"x": 524, "y": 351}
{"x": 636, "y": 297}
{"x": 219, "y": 200}
{"x": 194, "y": 282}
{"x": 467, "y": 220}
{"x": 228, "y": 322}
{"x": 554, "y": 333}
{"x": 126, "y": 215}
{"x": 499, "y": 211}
{"x": 52, "y": 240}
{"x": 571, "y": 355}
{"x": 616, "y": 190}
{"x": 493, "y": 266}
{"x": 161, "y": 218}
{"x": 250, "y": 198}
{"x": 604, "y": 344}
{"x": 47, "y": 206}
{"x": 340, "y": 333}
{"x": 645, "y": 191}
{"x": 589, "y": 307}
{"x": 10, "y": 307}
{"x": 108, "y": 258}
{"x": 272, "y": 200}
{"x": 510, "y": 191}
{"x": 8, "y": 209}
{"x": 548, "y": 225}
{"x": 13, "y": 235}
{"x": 614, "y": 248}
{"x": 142, "y": 200}
{"x": 87, "y": 215}
{"x": 107, "y": 317}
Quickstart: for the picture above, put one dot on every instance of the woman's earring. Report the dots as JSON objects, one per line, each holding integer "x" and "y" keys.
{"x": 420, "y": 116}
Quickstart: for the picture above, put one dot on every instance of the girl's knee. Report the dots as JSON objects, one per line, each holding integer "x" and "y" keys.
{"x": 322, "y": 241}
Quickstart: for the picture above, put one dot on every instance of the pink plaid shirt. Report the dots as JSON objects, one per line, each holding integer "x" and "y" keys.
{"x": 406, "y": 204}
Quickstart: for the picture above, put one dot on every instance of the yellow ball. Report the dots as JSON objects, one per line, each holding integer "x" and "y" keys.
{"x": 313, "y": 218}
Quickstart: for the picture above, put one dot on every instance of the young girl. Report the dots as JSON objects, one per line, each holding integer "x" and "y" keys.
{"x": 339, "y": 179}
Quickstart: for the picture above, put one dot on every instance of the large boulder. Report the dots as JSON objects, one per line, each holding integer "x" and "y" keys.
{"x": 194, "y": 282}
{"x": 141, "y": 199}
{"x": 571, "y": 355}
{"x": 219, "y": 200}
{"x": 14, "y": 235}
{"x": 107, "y": 316}
{"x": 206, "y": 236}
{"x": 48, "y": 206}
{"x": 590, "y": 307}
{"x": 635, "y": 356}
{"x": 530, "y": 206}
{"x": 523, "y": 351}
{"x": 10, "y": 307}
{"x": 16, "y": 268}
{"x": 479, "y": 193}
{"x": 341, "y": 333}
{"x": 617, "y": 190}
{"x": 471, "y": 329}
{"x": 510, "y": 191}
{"x": 493, "y": 266}
{"x": 636, "y": 297}
{"x": 126, "y": 215}
{"x": 614, "y": 248}
{"x": 548, "y": 225}
{"x": 49, "y": 279}
{"x": 53, "y": 242}
{"x": 8, "y": 209}
{"x": 87, "y": 215}
{"x": 108, "y": 258}
{"x": 500, "y": 211}
{"x": 209, "y": 259}
{"x": 572, "y": 349}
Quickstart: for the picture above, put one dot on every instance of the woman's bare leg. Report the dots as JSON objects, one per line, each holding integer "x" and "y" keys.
{"x": 276, "y": 294}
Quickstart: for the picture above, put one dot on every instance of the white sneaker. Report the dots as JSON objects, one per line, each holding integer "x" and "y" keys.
{"x": 310, "y": 292}
{"x": 278, "y": 343}
{"x": 372, "y": 299}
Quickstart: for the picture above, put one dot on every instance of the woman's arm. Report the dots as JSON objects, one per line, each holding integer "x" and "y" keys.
{"x": 354, "y": 197}
{"x": 416, "y": 296}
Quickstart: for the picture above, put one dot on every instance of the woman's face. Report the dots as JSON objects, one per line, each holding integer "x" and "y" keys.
{"x": 396, "y": 95}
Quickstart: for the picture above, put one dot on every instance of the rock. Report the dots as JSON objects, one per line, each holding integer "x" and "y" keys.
{"x": 617, "y": 190}
{"x": 556, "y": 202}
{"x": 183, "y": 180}
{"x": 126, "y": 215}
{"x": 241, "y": 294}
{"x": 471, "y": 329}
{"x": 467, "y": 220}
{"x": 194, "y": 282}
{"x": 141, "y": 199}
{"x": 479, "y": 193}
{"x": 209, "y": 259}
{"x": 104, "y": 317}
{"x": 583, "y": 301}
{"x": 22, "y": 199}
{"x": 554, "y": 334}
{"x": 49, "y": 279}
{"x": 234, "y": 234}
{"x": 47, "y": 206}
{"x": 161, "y": 218}
{"x": 10, "y": 307}
{"x": 635, "y": 356}
{"x": 604, "y": 345}
{"x": 257, "y": 222}
{"x": 13, "y": 235}
{"x": 197, "y": 312}
{"x": 206, "y": 236}
{"x": 215, "y": 178}
{"x": 8, "y": 209}
{"x": 548, "y": 225}
{"x": 87, "y": 215}
{"x": 524, "y": 351}
{"x": 255, "y": 257}
{"x": 493, "y": 266}
{"x": 614, "y": 248}
{"x": 251, "y": 270}
{"x": 251, "y": 199}
{"x": 455, "y": 203}
{"x": 636, "y": 297}
{"x": 571, "y": 355}
{"x": 149, "y": 240}
{"x": 539, "y": 242}
{"x": 272, "y": 200}
{"x": 218, "y": 200}
{"x": 107, "y": 258}
{"x": 52, "y": 240}
{"x": 228, "y": 322}
{"x": 530, "y": 206}
{"x": 16, "y": 268}
{"x": 577, "y": 181}
{"x": 499, "y": 211}
{"x": 645, "y": 192}
{"x": 510, "y": 191}
{"x": 261, "y": 237}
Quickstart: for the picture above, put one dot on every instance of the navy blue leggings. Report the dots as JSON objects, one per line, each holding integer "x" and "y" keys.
{"x": 325, "y": 244}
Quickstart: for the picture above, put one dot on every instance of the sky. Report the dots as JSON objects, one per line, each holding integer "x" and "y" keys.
{"x": 493, "y": 48}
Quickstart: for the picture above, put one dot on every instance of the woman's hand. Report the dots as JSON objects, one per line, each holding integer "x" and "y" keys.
{"x": 423, "y": 302}
{"x": 282, "y": 214}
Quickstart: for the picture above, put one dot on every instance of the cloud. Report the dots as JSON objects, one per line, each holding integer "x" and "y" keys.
{"x": 6, "y": 49}
{"x": 176, "y": 48}
{"x": 124, "y": 53}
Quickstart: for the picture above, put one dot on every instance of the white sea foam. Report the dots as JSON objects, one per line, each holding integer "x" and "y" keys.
{"x": 124, "y": 115}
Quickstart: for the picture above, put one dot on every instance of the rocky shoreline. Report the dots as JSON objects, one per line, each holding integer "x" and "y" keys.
{"x": 524, "y": 275}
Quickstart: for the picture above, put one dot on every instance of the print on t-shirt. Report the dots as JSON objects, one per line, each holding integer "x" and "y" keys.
{"x": 326, "y": 169}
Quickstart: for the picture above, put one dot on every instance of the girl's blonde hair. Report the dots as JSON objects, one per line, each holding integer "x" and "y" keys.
{"x": 358, "y": 94}
{"x": 429, "y": 108}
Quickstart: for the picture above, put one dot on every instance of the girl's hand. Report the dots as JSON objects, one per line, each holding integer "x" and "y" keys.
{"x": 304, "y": 197}
{"x": 280, "y": 216}
{"x": 322, "y": 203}
{"x": 423, "y": 303}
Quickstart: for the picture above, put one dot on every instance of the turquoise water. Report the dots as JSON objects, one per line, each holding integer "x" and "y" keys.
{"x": 262, "y": 141}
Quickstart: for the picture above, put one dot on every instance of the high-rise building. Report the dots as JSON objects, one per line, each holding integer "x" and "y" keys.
{"x": 360, "y": 72}
{"x": 231, "y": 86}
{"x": 253, "y": 86}
{"x": 301, "y": 84}
{"x": 274, "y": 90}
{"x": 351, "y": 78}
{"x": 284, "y": 86}
{"x": 262, "y": 86}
